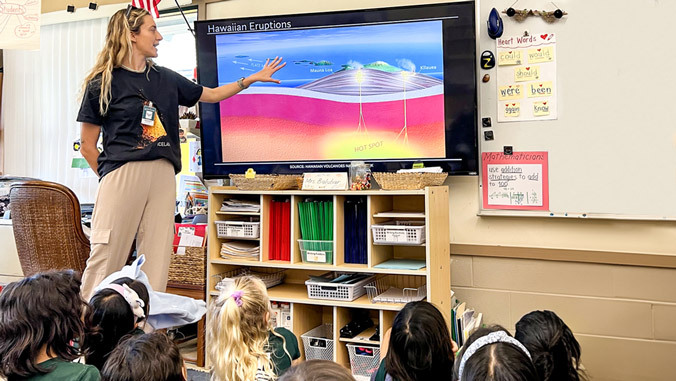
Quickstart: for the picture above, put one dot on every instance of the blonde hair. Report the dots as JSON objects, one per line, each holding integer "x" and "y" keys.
{"x": 238, "y": 332}
{"x": 117, "y": 46}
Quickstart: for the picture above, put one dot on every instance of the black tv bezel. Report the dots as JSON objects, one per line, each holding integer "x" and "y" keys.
{"x": 465, "y": 122}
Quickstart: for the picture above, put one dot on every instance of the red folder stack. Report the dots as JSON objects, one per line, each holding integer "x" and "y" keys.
{"x": 280, "y": 231}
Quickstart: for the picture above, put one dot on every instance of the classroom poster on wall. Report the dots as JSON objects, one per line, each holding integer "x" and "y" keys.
{"x": 195, "y": 156}
{"x": 526, "y": 77}
{"x": 519, "y": 181}
{"x": 20, "y": 24}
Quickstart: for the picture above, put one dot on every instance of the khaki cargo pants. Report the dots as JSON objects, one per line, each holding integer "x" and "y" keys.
{"x": 138, "y": 201}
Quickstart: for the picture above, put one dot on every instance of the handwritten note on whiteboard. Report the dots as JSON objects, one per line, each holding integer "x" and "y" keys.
{"x": 519, "y": 181}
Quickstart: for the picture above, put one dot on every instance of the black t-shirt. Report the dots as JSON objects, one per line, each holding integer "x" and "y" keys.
{"x": 125, "y": 139}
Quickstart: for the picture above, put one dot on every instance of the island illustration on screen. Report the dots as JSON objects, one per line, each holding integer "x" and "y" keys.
{"x": 352, "y": 92}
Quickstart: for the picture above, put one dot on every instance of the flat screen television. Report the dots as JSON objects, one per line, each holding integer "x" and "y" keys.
{"x": 389, "y": 86}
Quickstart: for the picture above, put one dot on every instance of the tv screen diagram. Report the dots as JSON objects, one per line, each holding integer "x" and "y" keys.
{"x": 361, "y": 92}
{"x": 389, "y": 86}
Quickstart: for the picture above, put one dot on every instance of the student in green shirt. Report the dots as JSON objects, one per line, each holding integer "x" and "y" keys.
{"x": 146, "y": 357}
{"x": 41, "y": 317}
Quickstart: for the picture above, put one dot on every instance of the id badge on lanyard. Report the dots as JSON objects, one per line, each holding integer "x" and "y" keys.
{"x": 148, "y": 116}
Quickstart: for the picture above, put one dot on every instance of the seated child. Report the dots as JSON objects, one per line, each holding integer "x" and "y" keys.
{"x": 492, "y": 354}
{"x": 242, "y": 345}
{"x": 317, "y": 370}
{"x": 41, "y": 316}
{"x": 117, "y": 311}
{"x": 419, "y": 346}
{"x": 142, "y": 293}
{"x": 146, "y": 357}
{"x": 556, "y": 353}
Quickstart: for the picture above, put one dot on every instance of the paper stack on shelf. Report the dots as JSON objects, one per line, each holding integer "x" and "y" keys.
{"x": 241, "y": 250}
{"x": 233, "y": 205}
{"x": 402, "y": 264}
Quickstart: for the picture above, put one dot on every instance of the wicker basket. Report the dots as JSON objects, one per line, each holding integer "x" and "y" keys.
{"x": 188, "y": 269}
{"x": 267, "y": 182}
{"x": 409, "y": 180}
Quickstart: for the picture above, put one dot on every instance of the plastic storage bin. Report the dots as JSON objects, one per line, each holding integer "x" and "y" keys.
{"x": 364, "y": 360}
{"x": 316, "y": 251}
{"x": 318, "y": 343}
{"x": 399, "y": 233}
{"x": 337, "y": 291}
{"x": 237, "y": 229}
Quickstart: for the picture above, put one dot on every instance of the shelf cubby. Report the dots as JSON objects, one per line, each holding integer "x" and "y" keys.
{"x": 429, "y": 205}
{"x": 307, "y": 317}
{"x": 343, "y": 317}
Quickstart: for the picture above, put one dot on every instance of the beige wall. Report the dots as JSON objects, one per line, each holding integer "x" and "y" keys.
{"x": 623, "y": 316}
{"x": 60, "y": 5}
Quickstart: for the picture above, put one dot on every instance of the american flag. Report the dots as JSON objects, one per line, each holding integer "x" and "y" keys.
{"x": 148, "y": 5}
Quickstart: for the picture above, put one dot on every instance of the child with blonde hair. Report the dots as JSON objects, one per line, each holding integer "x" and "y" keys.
{"x": 243, "y": 345}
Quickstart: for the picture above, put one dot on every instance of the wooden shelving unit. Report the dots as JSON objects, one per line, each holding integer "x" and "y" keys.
{"x": 429, "y": 205}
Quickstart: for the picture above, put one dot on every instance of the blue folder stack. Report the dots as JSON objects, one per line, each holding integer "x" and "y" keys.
{"x": 355, "y": 230}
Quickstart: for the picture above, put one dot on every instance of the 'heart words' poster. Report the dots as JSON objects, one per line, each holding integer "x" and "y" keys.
{"x": 526, "y": 77}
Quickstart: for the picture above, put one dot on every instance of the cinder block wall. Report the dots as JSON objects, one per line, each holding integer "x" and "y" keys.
{"x": 623, "y": 316}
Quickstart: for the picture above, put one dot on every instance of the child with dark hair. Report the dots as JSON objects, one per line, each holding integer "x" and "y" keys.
{"x": 116, "y": 311}
{"x": 419, "y": 346}
{"x": 492, "y": 354}
{"x": 41, "y": 316}
{"x": 142, "y": 293}
{"x": 317, "y": 370}
{"x": 147, "y": 357}
{"x": 556, "y": 353}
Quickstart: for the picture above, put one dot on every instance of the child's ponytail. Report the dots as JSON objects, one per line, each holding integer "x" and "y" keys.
{"x": 238, "y": 331}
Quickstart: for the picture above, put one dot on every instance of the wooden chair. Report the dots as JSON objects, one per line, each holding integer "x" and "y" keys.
{"x": 47, "y": 227}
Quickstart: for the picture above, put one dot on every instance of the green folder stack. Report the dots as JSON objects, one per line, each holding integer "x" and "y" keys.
{"x": 316, "y": 223}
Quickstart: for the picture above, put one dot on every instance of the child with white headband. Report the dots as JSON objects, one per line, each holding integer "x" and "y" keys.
{"x": 117, "y": 310}
{"x": 492, "y": 354}
{"x": 242, "y": 344}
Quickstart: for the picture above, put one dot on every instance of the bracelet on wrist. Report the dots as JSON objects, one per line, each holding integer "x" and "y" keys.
{"x": 240, "y": 83}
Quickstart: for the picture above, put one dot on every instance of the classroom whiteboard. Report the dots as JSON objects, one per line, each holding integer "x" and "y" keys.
{"x": 612, "y": 147}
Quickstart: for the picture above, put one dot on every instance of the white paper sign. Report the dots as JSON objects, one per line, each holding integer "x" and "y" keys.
{"x": 315, "y": 256}
{"x": 325, "y": 181}
{"x": 188, "y": 240}
{"x": 515, "y": 184}
{"x": 395, "y": 235}
{"x": 234, "y": 231}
